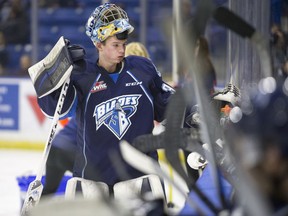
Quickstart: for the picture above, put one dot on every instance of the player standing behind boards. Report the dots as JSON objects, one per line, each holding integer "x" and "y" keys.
{"x": 115, "y": 98}
{"x": 62, "y": 154}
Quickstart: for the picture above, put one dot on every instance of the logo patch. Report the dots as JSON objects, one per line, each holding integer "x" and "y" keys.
{"x": 99, "y": 86}
{"x": 133, "y": 83}
{"x": 115, "y": 114}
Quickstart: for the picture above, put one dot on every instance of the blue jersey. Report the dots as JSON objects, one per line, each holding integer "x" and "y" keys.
{"x": 110, "y": 109}
{"x": 66, "y": 138}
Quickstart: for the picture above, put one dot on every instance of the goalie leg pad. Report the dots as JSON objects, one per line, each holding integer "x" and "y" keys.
{"x": 90, "y": 189}
{"x": 132, "y": 188}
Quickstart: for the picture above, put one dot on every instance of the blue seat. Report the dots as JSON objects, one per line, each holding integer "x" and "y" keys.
{"x": 134, "y": 15}
{"x": 154, "y": 35}
{"x": 76, "y": 34}
{"x": 15, "y": 52}
{"x": 89, "y": 3}
{"x": 48, "y": 34}
{"x": 62, "y": 16}
{"x": 43, "y": 50}
{"x": 69, "y": 16}
{"x": 87, "y": 12}
{"x": 45, "y": 15}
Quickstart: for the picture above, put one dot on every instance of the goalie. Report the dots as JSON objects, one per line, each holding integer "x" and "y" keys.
{"x": 115, "y": 98}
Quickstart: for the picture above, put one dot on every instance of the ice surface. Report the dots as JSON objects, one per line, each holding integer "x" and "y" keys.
{"x": 14, "y": 163}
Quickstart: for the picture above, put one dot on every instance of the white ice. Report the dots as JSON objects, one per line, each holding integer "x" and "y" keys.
{"x": 15, "y": 163}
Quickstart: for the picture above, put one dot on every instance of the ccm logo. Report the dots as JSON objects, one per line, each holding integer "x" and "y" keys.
{"x": 133, "y": 83}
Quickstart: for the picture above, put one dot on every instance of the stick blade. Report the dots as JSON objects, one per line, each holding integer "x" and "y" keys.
{"x": 232, "y": 21}
{"x": 32, "y": 196}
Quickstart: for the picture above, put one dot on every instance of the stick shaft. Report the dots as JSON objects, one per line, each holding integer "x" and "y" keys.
{"x": 35, "y": 188}
{"x": 53, "y": 128}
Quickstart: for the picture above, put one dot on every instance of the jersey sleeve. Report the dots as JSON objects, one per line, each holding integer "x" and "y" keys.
{"x": 48, "y": 103}
{"x": 161, "y": 99}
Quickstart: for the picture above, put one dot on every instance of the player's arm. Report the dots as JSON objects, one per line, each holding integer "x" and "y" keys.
{"x": 161, "y": 92}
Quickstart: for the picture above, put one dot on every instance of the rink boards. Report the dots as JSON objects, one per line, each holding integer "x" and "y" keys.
{"x": 22, "y": 123}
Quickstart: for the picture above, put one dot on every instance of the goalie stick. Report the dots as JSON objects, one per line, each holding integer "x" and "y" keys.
{"x": 176, "y": 107}
{"x": 35, "y": 188}
{"x": 190, "y": 140}
{"x": 232, "y": 21}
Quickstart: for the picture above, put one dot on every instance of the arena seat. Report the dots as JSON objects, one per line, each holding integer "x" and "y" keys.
{"x": 15, "y": 52}
{"x": 58, "y": 16}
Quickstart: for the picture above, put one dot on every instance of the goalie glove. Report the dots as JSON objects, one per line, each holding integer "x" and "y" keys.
{"x": 76, "y": 52}
{"x": 50, "y": 73}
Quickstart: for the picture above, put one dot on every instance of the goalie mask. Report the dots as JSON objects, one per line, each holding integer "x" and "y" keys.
{"x": 108, "y": 20}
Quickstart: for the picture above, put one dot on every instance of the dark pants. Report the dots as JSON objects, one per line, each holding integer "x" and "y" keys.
{"x": 59, "y": 161}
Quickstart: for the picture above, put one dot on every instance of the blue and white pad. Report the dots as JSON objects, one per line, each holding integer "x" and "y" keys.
{"x": 51, "y": 72}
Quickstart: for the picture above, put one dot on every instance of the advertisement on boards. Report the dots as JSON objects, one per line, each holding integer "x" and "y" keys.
{"x": 22, "y": 123}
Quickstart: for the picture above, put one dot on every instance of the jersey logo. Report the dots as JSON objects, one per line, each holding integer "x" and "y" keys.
{"x": 99, "y": 86}
{"x": 115, "y": 114}
{"x": 133, "y": 84}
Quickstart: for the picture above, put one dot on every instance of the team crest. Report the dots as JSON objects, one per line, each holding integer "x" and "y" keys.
{"x": 115, "y": 114}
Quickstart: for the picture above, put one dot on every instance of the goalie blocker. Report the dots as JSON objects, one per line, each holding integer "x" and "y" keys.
{"x": 51, "y": 72}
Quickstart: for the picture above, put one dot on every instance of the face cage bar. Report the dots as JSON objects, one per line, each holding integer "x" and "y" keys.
{"x": 108, "y": 15}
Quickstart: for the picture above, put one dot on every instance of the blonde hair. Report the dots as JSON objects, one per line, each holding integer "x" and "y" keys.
{"x": 136, "y": 48}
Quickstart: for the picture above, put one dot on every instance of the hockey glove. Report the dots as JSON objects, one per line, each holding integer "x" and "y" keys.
{"x": 76, "y": 52}
{"x": 51, "y": 72}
